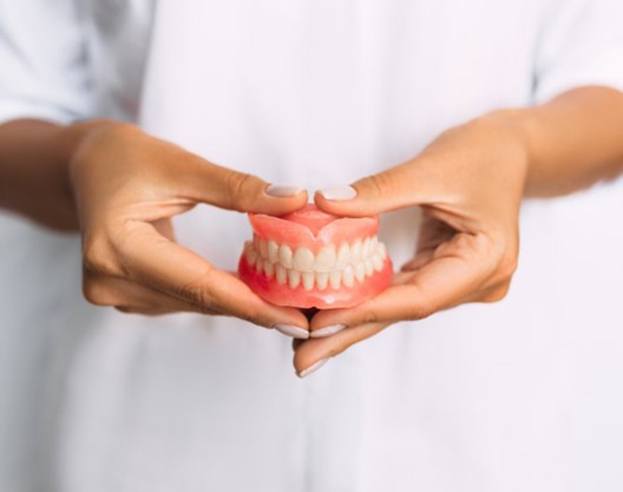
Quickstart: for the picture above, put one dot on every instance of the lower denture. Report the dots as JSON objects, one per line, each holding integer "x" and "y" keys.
{"x": 313, "y": 259}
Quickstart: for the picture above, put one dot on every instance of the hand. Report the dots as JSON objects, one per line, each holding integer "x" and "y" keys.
{"x": 469, "y": 183}
{"x": 127, "y": 186}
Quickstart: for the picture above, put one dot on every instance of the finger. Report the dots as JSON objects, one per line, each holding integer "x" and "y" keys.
{"x": 233, "y": 190}
{"x": 130, "y": 297}
{"x": 152, "y": 260}
{"x": 422, "y": 258}
{"x": 458, "y": 272}
{"x": 401, "y": 186}
{"x": 314, "y": 352}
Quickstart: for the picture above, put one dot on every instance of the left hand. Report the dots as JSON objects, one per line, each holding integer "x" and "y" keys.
{"x": 469, "y": 183}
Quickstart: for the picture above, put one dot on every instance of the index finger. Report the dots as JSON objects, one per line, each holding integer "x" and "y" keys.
{"x": 153, "y": 260}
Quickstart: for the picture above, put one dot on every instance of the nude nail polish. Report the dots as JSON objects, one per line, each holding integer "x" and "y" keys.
{"x": 338, "y": 193}
{"x": 292, "y": 331}
{"x": 326, "y": 331}
{"x": 314, "y": 367}
{"x": 283, "y": 191}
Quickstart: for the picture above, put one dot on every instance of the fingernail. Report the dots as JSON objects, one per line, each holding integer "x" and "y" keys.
{"x": 326, "y": 331}
{"x": 314, "y": 367}
{"x": 283, "y": 191}
{"x": 292, "y": 331}
{"x": 338, "y": 193}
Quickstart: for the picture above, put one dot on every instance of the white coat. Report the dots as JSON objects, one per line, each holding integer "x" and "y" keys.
{"x": 524, "y": 395}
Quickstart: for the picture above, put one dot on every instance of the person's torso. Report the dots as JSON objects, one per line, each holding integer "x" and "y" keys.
{"x": 315, "y": 93}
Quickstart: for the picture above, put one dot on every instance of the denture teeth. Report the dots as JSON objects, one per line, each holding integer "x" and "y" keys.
{"x": 308, "y": 280}
{"x": 382, "y": 250}
{"x": 281, "y": 274}
{"x": 263, "y": 248}
{"x": 303, "y": 260}
{"x": 343, "y": 256}
{"x": 365, "y": 248}
{"x": 325, "y": 259}
{"x": 322, "y": 280}
{"x": 360, "y": 271}
{"x": 285, "y": 256}
{"x": 250, "y": 253}
{"x": 273, "y": 251}
{"x": 330, "y": 266}
{"x": 355, "y": 251}
{"x": 335, "y": 279}
{"x": 374, "y": 243}
{"x": 294, "y": 278}
{"x": 377, "y": 261}
{"x": 348, "y": 276}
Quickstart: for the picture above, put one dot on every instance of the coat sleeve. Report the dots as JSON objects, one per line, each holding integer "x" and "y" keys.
{"x": 44, "y": 67}
{"x": 581, "y": 43}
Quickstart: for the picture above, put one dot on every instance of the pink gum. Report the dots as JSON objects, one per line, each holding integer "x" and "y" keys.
{"x": 295, "y": 235}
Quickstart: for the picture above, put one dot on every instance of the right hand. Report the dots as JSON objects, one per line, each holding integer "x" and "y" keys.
{"x": 127, "y": 186}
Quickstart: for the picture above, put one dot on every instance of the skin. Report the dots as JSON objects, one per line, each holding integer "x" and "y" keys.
{"x": 120, "y": 188}
{"x": 470, "y": 183}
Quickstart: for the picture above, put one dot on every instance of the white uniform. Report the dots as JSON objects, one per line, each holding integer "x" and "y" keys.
{"x": 517, "y": 396}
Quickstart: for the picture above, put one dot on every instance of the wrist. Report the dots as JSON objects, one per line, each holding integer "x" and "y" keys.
{"x": 508, "y": 130}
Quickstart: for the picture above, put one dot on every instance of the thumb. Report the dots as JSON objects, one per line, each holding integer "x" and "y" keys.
{"x": 389, "y": 190}
{"x": 234, "y": 190}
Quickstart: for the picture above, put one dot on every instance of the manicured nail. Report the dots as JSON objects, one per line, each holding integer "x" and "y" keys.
{"x": 326, "y": 331}
{"x": 338, "y": 193}
{"x": 314, "y": 367}
{"x": 292, "y": 331}
{"x": 283, "y": 191}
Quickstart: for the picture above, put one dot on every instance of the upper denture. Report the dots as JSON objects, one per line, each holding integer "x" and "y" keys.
{"x": 314, "y": 249}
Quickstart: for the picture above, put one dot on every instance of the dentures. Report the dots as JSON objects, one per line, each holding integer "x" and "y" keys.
{"x": 313, "y": 259}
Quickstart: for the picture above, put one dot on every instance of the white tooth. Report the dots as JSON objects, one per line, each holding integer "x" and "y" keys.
{"x": 325, "y": 259}
{"x": 285, "y": 256}
{"x": 360, "y": 271}
{"x": 355, "y": 252}
{"x": 335, "y": 279}
{"x": 369, "y": 267}
{"x": 294, "y": 278}
{"x": 382, "y": 250}
{"x": 263, "y": 248}
{"x": 348, "y": 276}
{"x": 343, "y": 256}
{"x": 322, "y": 279}
{"x": 269, "y": 269}
{"x": 303, "y": 260}
{"x": 378, "y": 262}
{"x": 374, "y": 242}
{"x": 273, "y": 251}
{"x": 308, "y": 280}
{"x": 281, "y": 273}
{"x": 365, "y": 248}
{"x": 259, "y": 264}
{"x": 250, "y": 253}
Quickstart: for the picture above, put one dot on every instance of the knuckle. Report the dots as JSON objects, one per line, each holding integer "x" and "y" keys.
{"x": 498, "y": 293}
{"x": 507, "y": 265}
{"x": 419, "y": 311}
{"x": 369, "y": 316}
{"x": 198, "y": 294}
{"x": 97, "y": 255}
{"x": 96, "y": 293}
{"x": 380, "y": 184}
{"x": 237, "y": 184}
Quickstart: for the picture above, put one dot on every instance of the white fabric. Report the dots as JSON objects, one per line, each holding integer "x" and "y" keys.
{"x": 520, "y": 395}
